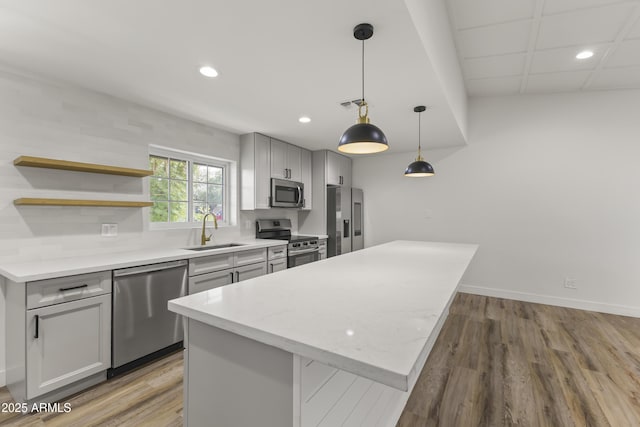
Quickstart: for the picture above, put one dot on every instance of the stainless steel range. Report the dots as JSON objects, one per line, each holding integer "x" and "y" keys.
{"x": 301, "y": 249}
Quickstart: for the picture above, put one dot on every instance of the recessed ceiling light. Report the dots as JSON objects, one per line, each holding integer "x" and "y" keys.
{"x": 584, "y": 54}
{"x": 304, "y": 119}
{"x": 208, "y": 71}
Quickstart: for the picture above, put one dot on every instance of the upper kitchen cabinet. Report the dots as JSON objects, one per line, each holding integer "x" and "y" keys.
{"x": 263, "y": 158}
{"x": 255, "y": 171}
{"x": 338, "y": 169}
{"x": 285, "y": 160}
{"x": 329, "y": 169}
{"x": 306, "y": 179}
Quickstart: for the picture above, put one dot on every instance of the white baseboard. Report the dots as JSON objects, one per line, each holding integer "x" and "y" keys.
{"x": 622, "y": 310}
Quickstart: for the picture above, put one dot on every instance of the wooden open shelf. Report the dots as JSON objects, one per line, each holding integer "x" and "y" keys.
{"x": 74, "y": 202}
{"x": 41, "y": 162}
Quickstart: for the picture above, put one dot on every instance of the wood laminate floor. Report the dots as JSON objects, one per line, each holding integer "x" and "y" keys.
{"x": 496, "y": 363}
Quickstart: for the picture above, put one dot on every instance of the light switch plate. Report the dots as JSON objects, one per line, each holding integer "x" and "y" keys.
{"x": 109, "y": 230}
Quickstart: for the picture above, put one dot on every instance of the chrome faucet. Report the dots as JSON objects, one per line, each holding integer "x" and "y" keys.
{"x": 204, "y": 238}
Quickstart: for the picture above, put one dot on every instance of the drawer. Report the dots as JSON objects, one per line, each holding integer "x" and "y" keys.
{"x": 277, "y": 252}
{"x": 211, "y": 263}
{"x": 62, "y": 289}
{"x": 207, "y": 281}
{"x": 251, "y": 256}
{"x": 276, "y": 265}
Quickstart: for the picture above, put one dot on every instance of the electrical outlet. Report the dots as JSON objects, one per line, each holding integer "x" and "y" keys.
{"x": 570, "y": 283}
{"x": 109, "y": 230}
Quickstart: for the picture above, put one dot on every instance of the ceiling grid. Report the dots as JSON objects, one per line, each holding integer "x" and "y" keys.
{"x": 530, "y": 46}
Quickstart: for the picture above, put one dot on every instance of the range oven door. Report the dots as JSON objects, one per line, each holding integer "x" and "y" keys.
{"x": 286, "y": 194}
{"x": 303, "y": 257}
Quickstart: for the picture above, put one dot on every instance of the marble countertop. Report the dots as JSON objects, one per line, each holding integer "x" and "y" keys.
{"x": 371, "y": 312}
{"x": 59, "y": 267}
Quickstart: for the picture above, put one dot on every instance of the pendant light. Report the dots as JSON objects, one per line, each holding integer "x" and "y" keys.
{"x": 363, "y": 137}
{"x": 419, "y": 168}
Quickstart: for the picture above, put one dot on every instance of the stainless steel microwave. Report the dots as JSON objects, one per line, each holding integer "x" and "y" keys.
{"x": 286, "y": 194}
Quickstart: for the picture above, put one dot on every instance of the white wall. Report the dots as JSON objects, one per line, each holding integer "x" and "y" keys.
{"x": 42, "y": 118}
{"x": 431, "y": 20}
{"x": 549, "y": 188}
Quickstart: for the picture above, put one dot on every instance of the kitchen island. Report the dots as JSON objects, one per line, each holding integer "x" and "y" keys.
{"x": 337, "y": 341}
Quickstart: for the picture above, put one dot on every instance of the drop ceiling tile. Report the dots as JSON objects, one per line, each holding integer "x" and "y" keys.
{"x": 635, "y": 31}
{"x": 494, "y": 66}
{"x": 474, "y": 13}
{"x": 626, "y": 54}
{"x": 556, "y": 82}
{"x": 598, "y": 25}
{"x": 500, "y": 86}
{"x": 558, "y": 6}
{"x": 564, "y": 59}
{"x": 494, "y": 40}
{"x": 617, "y": 78}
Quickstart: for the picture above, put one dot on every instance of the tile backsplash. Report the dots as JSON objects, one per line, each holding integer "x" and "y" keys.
{"x": 50, "y": 119}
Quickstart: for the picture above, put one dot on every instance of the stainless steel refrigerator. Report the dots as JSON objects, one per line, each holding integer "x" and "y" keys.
{"x": 344, "y": 220}
{"x": 357, "y": 234}
{"x": 338, "y": 220}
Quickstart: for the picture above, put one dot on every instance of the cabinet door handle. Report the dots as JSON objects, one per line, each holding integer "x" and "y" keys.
{"x": 36, "y": 335}
{"x": 272, "y": 267}
{"x": 237, "y": 276}
{"x": 74, "y": 287}
{"x": 231, "y": 277}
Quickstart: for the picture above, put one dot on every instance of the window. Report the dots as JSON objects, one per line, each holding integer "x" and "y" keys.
{"x": 185, "y": 186}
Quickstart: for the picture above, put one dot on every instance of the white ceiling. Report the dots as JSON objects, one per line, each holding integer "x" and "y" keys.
{"x": 282, "y": 59}
{"x": 277, "y": 60}
{"x": 529, "y": 46}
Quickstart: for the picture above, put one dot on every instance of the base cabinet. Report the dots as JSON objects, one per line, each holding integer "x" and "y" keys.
{"x": 204, "y": 282}
{"x": 277, "y": 265}
{"x": 58, "y": 336}
{"x": 247, "y": 272}
{"x": 213, "y": 271}
{"x": 323, "y": 248}
{"x": 67, "y": 342}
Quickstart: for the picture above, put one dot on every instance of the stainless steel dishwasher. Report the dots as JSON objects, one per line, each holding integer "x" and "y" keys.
{"x": 142, "y": 326}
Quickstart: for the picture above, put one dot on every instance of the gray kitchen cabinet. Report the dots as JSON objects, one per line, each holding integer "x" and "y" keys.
{"x": 277, "y": 259}
{"x": 250, "y": 271}
{"x": 263, "y": 158}
{"x": 306, "y": 178}
{"x": 255, "y": 171}
{"x": 67, "y": 342}
{"x": 204, "y": 282}
{"x": 213, "y": 271}
{"x": 338, "y": 169}
{"x": 322, "y": 243}
{"x": 59, "y": 339}
{"x": 329, "y": 169}
{"x": 277, "y": 265}
{"x": 285, "y": 160}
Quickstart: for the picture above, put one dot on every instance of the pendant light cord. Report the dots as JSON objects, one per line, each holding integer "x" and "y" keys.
{"x": 362, "y": 73}
{"x": 419, "y": 142}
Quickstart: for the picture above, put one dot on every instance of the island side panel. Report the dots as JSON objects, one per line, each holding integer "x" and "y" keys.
{"x": 236, "y": 381}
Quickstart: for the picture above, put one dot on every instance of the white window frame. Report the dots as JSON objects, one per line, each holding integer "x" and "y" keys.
{"x": 190, "y": 157}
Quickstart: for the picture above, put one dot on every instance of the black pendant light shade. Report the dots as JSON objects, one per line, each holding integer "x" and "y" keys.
{"x": 419, "y": 168}
{"x": 363, "y": 137}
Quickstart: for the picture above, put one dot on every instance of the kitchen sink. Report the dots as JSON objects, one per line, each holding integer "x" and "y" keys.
{"x": 208, "y": 248}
